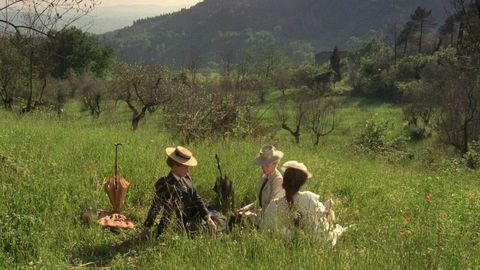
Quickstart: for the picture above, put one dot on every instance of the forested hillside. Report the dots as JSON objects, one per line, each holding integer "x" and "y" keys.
{"x": 300, "y": 27}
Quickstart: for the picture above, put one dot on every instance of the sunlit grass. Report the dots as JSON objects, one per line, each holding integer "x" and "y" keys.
{"x": 52, "y": 169}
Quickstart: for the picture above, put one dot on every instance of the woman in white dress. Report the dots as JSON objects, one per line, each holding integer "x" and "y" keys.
{"x": 299, "y": 210}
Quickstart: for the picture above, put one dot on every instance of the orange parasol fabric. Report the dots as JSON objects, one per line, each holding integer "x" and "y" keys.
{"x": 116, "y": 189}
{"x": 116, "y": 186}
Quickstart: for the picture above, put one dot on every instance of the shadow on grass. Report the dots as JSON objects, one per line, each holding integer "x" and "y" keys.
{"x": 102, "y": 255}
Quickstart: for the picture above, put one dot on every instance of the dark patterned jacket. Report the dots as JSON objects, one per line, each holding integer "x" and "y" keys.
{"x": 176, "y": 199}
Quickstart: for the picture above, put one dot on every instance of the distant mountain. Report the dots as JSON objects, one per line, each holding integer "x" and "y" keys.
{"x": 107, "y": 19}
{"x": 213, "y": 26}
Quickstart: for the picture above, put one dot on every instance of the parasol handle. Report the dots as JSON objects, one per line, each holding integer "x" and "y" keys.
{"x": 218, "y": 165}
{"x": 116, "y": 163}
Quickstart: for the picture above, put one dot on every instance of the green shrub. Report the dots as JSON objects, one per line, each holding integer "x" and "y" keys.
{"x": 472, "y": 157}
{"x": 373, "y": 134}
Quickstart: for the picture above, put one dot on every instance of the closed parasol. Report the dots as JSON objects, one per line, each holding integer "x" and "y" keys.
{"x": 116, "y": 189}
{"x": 224, "y": 199}
{"x": 116, "y": 186}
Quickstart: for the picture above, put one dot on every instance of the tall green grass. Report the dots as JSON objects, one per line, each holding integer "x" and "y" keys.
{"x": 52, "y": 169}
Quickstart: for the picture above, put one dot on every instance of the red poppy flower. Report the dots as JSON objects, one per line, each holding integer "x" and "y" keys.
{"x": 407, "y": 219}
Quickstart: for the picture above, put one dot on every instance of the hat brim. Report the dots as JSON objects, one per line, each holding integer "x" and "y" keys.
{"x": 191, "y": 162}
{"x": 309, "y": 174}
{"x": 259, "y": 161}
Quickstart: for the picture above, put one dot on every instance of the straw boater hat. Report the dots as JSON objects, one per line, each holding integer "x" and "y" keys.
{"x": 298, "y": 166}
{"x": 267, "y": 155}
{"x": 181, "y": 155}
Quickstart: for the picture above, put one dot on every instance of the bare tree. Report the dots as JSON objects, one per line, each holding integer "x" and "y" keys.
{"x": 193, "y": 63}
{"x": 460, "y": 112}
{"x": 420, "y": 111}
{"x": 321, "y": 119}
{"x": 143, "y": 88}
{"x": 32, "y": 20}
{"x": 282, "y": 79}
{"x": 299, "y": 117}
{"x": 208, "y": 112}
{"x": 42, "y": 16}
{"x": 12, "y": 66}
{"x": 227, "y": 57}
{"x": 92, "y": 92}
{"x": 254, "y": 84}
{"x": 244, "y": 66}
{"x": 450, "y": 88}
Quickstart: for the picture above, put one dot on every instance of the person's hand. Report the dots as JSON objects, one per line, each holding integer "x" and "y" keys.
{"x": 211, "y": 223}
{"x": 239, "y": 210}
{"x": 145, "y": 234}
{"x": 328, "y": 204}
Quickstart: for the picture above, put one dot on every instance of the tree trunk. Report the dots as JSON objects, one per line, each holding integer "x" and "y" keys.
{"x": 28, "y": 108}
{"x": 439, "y": 44}
{"x": 295, "y": 134}
{"x": 477, "y": 3}
{"x": 44, "y": 86}
{"x": 420, "y": 39}
{"x": 261, "y": 95}
{"x": 137, "y": 117}
{"x": 461, "y": 28}
{"x": 465, "y": 139}
{"x": 395, "y": 43}
{"x": 317, "y": 139}
{"x": 7, "y": 103}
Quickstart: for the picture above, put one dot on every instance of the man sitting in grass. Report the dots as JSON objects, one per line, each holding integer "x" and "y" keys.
{"x": 269, "y": 185}
{"x": 175, "y": 196}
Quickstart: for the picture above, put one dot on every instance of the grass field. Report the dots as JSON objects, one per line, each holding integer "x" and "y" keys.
{"x": 52, "y": 169}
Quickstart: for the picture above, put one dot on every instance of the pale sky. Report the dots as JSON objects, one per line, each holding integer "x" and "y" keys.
{"x": 185, "y": 3}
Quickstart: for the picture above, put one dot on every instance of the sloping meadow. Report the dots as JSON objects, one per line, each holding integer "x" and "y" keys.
{"x": 404, "y": 214}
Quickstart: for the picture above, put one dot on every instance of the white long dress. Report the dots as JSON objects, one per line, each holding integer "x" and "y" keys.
{"x": 307, "y": 213}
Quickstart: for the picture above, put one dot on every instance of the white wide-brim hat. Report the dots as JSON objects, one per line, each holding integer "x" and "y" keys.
{"x": 181, "y": 155}
{"x": 298, "y": 166}
{"x": 267, "y": 155}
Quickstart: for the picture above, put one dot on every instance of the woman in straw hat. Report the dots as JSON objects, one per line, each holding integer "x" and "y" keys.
{"x": 300, "y": 210}
{"x": 269, "y": 185}
{"x": 175, "y": 196}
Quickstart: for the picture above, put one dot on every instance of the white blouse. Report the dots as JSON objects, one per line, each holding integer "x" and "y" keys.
{"x": 307, "y": 213}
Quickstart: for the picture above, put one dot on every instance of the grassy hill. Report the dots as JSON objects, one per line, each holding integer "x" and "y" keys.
{"x": 52, "y": 168}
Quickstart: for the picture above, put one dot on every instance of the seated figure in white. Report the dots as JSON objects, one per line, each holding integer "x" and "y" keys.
{"x": 300, "y": 210}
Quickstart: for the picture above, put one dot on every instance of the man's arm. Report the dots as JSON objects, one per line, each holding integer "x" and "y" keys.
{"x": 160, "y": 201}
{"x": 199, "y": 203}
{"x": 277, "y": 188}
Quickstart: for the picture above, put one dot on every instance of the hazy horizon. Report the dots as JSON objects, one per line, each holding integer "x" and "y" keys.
{"x": 115, "y": 14}
{"x": 183, "y": 3}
